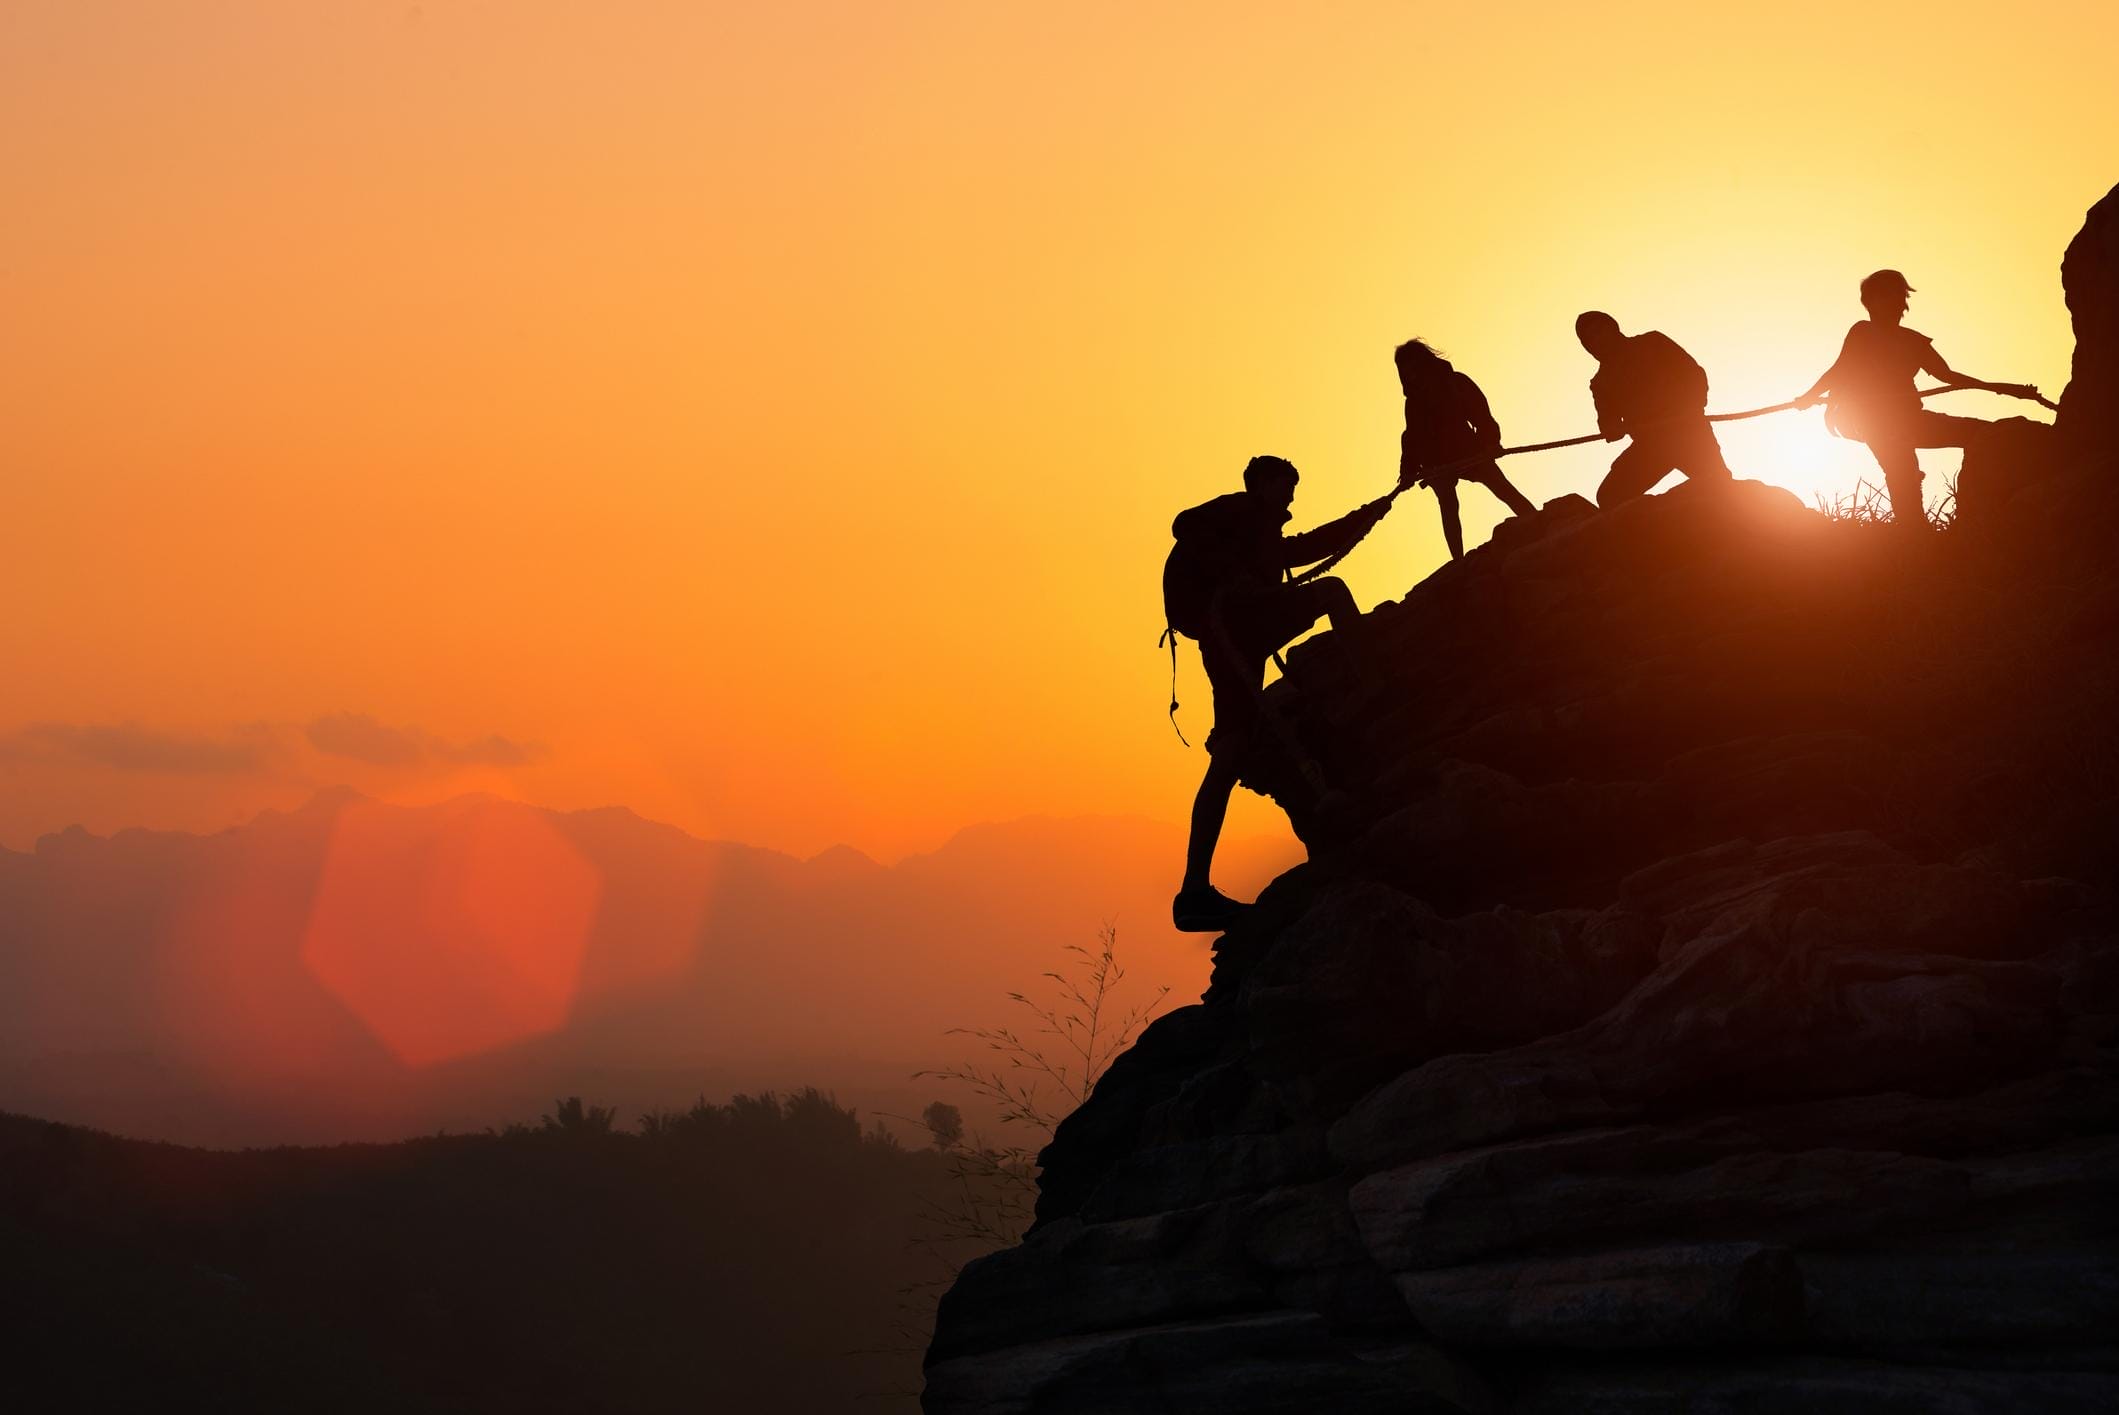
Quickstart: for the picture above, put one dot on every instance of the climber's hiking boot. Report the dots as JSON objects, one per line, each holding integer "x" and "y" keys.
{"x": 1205, "y": 910}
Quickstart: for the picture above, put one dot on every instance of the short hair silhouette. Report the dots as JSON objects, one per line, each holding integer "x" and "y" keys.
{"x": 1260, "y": 470}
{"x": 1594, "y": 326}
{"x": 1414, "y": 353}
{"x": 1884, "y": 282}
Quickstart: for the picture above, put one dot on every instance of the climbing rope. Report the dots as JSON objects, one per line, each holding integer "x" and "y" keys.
{"x": 1461, "y": 464}
{"x": 1326, "y": 565}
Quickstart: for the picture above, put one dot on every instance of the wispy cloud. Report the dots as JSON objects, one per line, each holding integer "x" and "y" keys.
{"x": 259, "y": 748}
{"x": 130, "y": 747}
{"x": 494, "y": 751}
{"x": 361, "y": 738}
{"x": 358, "y": 737}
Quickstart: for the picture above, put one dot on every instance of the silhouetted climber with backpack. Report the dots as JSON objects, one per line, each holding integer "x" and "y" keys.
{"x": 1225, "y": 586}
{"x": 1447, "y": 423}
{"x": 1871, "y": 397}
{"x": 1649, "y": 389}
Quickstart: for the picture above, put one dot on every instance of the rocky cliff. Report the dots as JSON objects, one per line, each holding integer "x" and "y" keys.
{"x": 1703, "y": 996}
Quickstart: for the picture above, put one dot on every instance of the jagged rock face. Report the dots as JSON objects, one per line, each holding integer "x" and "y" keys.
{"x": 2089, "y": 410}
{"x": 1704, "y": 995}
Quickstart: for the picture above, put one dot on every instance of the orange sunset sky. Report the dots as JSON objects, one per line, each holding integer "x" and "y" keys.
{"x": 769, "y": 417}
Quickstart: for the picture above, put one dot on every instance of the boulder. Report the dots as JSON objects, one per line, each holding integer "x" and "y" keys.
{"x": 1703, "y": 993}
{"x": 1708, "y": 1295}
{"x": 2089, "y": 275}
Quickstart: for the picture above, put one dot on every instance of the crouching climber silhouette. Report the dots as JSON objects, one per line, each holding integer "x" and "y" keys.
{"x": 1447, "y": 424}
{"x": 1871, "y": 398}
{"x": 1223, "y": 586}
{"x": 1649, "y": 389}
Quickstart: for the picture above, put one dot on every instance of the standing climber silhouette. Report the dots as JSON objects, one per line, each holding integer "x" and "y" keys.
{"x": 1649, "y": 389}
{"x": 1871, "y": 398}
{"x": 1224, "y": 586}
{"x": 1447, "y": 422}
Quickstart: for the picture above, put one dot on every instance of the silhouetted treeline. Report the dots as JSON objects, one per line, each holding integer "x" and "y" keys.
{"x": 747, "y": 1256}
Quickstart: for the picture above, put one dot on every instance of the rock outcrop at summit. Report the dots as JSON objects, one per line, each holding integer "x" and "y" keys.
{"x": 2089, "y": 410}
{"x": 1707, "y": 998}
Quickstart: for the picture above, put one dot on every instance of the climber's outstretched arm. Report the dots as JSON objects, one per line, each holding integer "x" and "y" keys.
{"x": 1936, "y": 365}
{"x": 1332, "y": 537}
{"x": 1953, "y": 379}
{"x": 1825, "y": 381}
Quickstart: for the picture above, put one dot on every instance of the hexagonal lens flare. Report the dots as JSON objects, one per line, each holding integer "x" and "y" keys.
{"x": 454, "y": 930}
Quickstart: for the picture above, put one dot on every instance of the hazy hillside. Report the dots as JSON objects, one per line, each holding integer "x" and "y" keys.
{"x": 756, "y": 1256}
{"x": 352, "y": 970}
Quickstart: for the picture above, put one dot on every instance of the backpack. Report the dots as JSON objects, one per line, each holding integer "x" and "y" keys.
{"x": 1208, "y": 551}
{"x": 1679, "y": 382}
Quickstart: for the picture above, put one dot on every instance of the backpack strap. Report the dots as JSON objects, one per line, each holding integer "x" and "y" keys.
{"x": 1170, "y": 636}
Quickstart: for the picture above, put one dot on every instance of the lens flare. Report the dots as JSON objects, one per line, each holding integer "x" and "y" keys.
{"x": 453, "y": 931}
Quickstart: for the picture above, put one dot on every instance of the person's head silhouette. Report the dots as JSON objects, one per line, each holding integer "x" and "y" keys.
{"x": 1599, "y": 333}
{"x": 1883, "y": 295}
{"x": 1272, "y": 480}
{"x": 1417, "y": 361}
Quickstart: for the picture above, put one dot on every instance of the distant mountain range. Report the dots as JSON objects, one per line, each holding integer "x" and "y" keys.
{"x": 356, "y": 970}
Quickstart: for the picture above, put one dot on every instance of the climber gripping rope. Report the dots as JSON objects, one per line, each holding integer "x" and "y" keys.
{"x": 1225, "y": 585}
{"x": 1230, "y": 581}
{"x": 1451, "y": 436}
{"x": 1870, "y": 397}
{"x": 1651, "y": 391}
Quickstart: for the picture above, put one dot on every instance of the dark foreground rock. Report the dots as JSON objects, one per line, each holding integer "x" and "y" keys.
{"x": 1705, "y": 997}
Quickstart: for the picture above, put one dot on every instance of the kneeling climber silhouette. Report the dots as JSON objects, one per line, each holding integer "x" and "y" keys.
{"x": 1649, "y": 389}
